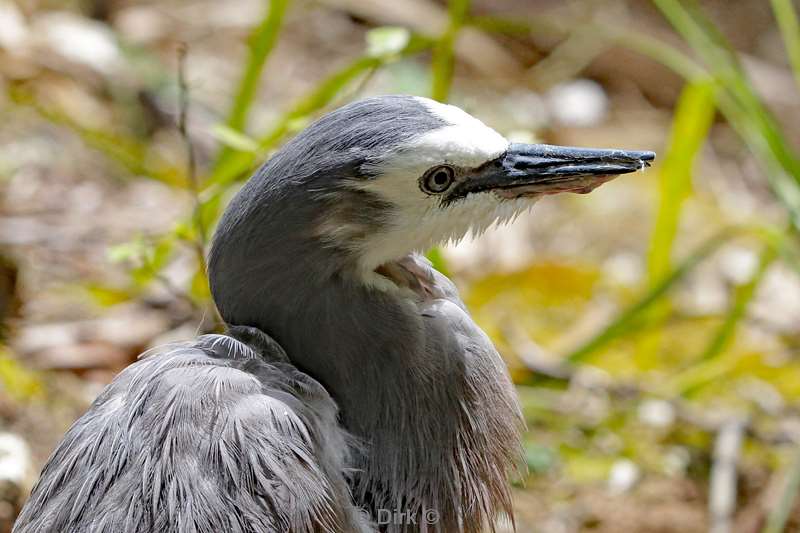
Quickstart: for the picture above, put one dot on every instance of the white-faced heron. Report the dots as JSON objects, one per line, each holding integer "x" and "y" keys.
{"x": 352, "y": 391}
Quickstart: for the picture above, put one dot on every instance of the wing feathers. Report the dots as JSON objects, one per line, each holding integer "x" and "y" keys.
{"x": 206, "y": 437}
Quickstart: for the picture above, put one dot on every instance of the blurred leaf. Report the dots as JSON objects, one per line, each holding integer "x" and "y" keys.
{"x": 234, "y": 139}
{"x": 543, "y": 300}
{"x": 107, "y": 296}
{"x": 540, "y": 459}
{"x": 387, "y": 41}
{"x": 20, "y": 383}
{"x": 148, "y": 257}
{"x": 199, "y": 289}
{"x": 582, "y": 467}
{"x": 125, "y": 251}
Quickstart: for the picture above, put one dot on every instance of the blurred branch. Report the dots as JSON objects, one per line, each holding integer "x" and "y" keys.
{"x": 722, "y": 492}
{"x": 183, "y": 119}
{"x": 643, "y": 43}
{"x": 533, "y": 356}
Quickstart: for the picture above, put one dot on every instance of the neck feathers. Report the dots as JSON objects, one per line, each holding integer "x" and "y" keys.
{"x": 417, "y": 382}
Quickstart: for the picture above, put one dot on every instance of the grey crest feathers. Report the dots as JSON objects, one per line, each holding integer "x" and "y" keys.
{"x": 339, "y": 143}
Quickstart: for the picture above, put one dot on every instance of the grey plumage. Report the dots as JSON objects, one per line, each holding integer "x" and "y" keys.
{"x": 214, "y": 435}
{"x": 397, "y": 368}
{"x": 338, "y": 395}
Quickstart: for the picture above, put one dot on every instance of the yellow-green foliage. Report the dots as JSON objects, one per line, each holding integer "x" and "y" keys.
{"x": 18, "y": 382}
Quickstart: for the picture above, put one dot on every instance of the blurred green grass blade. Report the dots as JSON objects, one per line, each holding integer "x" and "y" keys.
{"x": 743, "y": 296}
{"x": 645, "y": 44}
{"x": 740, "y": 103}
{"x": 692, "y": 120}
{"x": 319, "y": 97}
{"x": 443, "y": 61}
{"x": 664, "y": 53}
{"x": 694, "y": 114}
{"x": 262, "y": 42}
{"x": 709, "y": 366}
{"x": 631, "y": 316}
{"x": 786, "y": 16}
{"x": 238, "y": 163}
{"x": 779, "y": 516}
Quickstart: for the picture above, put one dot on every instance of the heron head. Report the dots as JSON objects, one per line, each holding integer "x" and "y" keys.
{"x": 418, "y": 173}
{"x": 389, "y": 175}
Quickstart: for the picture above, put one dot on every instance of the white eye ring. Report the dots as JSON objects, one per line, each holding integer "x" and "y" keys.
{"x": 437, "y": 179}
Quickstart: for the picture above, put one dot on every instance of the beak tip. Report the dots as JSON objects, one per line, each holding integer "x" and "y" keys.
{"x": 648, "y": 156}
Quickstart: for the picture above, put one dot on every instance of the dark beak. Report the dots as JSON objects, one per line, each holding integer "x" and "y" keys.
{"x": 535, "y": 169}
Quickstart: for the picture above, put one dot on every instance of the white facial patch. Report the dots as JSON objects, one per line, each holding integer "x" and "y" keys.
{"x": 419, "y": 220}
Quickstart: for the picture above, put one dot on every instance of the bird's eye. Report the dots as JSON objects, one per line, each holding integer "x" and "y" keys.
{"x": 438, "y": 179}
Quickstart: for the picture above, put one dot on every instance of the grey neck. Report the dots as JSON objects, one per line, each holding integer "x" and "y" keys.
{"x": 438, "y": 426}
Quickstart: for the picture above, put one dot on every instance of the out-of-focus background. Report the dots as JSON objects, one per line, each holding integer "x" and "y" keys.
{"x": 652, "y": 327}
